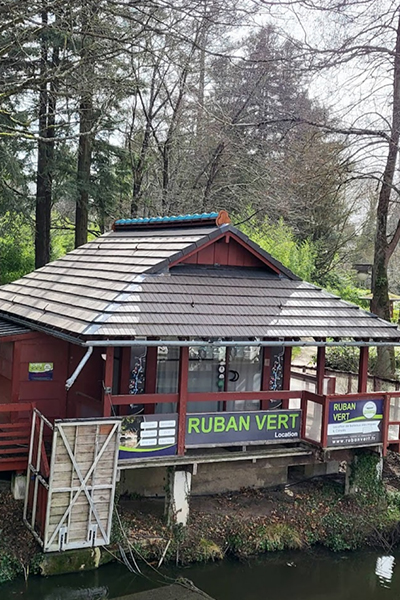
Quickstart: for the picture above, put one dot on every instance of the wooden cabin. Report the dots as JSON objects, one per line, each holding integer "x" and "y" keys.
{"x": 182, "y": 323}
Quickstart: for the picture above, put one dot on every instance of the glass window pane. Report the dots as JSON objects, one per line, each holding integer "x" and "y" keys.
{"x": 206, "y": 374}
{"x": 244, "y": 375}
{"x": 167, "y": 376}
{"x": 167, "y": 369}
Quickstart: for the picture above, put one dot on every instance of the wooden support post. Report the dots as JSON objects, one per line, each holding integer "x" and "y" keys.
{"x": 363, "y": 370}
{"x": 385, "y": 424}
{"x": 287, "y": 366}
{"x": 265, "y": 375}
{"x": 150, "y": 385}
{"x": 108, "y": 381}
{"x": 320, "y": 370}
{"x": 325, "y": 420}
{"x": 183, "y": 395}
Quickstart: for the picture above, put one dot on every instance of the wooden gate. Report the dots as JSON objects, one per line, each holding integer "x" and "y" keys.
{"x": 80, "y": 488}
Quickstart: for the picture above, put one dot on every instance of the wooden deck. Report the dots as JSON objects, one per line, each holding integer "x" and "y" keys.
{"x": 197, "y": 457}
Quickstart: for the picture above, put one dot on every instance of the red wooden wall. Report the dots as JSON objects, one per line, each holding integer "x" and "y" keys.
{"x": 85, "y": 397}
{"x": 6, "y": 367}
{"x": 226, "y": 252}
{"x": 49, "y": 396}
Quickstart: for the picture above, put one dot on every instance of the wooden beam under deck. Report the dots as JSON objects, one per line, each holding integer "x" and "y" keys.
{"x": 200, "y": 457}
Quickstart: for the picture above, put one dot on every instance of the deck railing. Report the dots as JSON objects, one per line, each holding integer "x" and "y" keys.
{"x": 315, "y": 410}
{"x": 393, "y": 420}
{"x": 15, "y": 419}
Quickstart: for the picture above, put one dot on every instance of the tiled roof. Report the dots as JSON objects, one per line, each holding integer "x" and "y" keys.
{"x": 222, "y": 303}
{"x": 10, "y": 329}
{"x": 122, "y": 285}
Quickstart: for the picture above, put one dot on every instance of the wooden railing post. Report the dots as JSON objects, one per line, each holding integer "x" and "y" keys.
{"x": 325, "y": 419}
{"x": 108, "y": 381}
{"x": 183, "y": 395}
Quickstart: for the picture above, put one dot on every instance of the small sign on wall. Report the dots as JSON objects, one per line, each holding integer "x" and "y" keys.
{"x": 41, "y": 371}
{"x": 147, "y": 436}
{"x": 355, "y": 422}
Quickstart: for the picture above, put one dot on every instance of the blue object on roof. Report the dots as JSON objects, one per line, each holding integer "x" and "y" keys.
{"x": 172, "y": 219}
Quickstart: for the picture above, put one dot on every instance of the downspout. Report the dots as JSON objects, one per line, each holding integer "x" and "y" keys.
{"x": 70, "y": 382}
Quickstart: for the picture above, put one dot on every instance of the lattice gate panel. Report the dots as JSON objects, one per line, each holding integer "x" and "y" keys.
{"x": 83, "y": 475}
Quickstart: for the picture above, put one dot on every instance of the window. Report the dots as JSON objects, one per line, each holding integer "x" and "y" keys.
{"x": 244, "y": 375}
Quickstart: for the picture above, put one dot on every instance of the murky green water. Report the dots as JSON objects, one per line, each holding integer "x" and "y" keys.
{"x": 311, "y": 575}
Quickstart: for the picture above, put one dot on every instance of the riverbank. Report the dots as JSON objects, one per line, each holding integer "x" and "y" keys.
{"x": 252, "y": 522}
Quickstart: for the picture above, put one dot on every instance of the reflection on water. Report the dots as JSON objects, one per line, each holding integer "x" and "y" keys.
{"x": 384, "y": 569}
{"x": 312, "y": 575}
{"x": 68, "y": 593}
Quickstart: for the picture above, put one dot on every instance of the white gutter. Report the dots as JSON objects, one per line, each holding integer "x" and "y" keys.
{"x": 70, "y": 382}
{"x": 238, "y": 343}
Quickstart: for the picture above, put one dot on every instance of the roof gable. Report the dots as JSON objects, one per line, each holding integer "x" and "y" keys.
{"x": 231, "y": 248}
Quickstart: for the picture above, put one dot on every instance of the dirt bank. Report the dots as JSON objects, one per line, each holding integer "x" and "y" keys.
{"x": 250, "y": 522}
{"x": 255, "y": 521}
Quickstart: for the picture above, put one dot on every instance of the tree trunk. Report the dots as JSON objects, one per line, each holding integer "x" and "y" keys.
{"x": 43, "y": 177}
{"x": 83, "y": 175}
{"x": 380, "y": 288}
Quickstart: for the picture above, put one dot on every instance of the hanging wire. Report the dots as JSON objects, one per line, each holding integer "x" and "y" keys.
{"x": 162, "y": 578}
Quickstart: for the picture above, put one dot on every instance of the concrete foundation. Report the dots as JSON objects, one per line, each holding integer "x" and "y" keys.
{"x": 212, "y": 478}
{"x": 320, "y": 469}
{"x": 221, "y": 477}
{"x": 18, "y": 486}
{"x": 217, "y": 478}
{"x": 177, "y": 497}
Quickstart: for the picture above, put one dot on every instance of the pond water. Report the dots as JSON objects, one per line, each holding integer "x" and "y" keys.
{"x": 311, "y": 575}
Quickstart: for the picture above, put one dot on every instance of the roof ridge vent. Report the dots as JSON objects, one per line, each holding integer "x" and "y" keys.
{"x": 213, "y": 218}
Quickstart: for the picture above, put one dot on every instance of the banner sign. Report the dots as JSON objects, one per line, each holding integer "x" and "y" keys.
{"x": 147, "y": 436}
{"x": 355, "y": 422}
{"x": 41, "y": 371}
{"x": 241, "y": 428}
